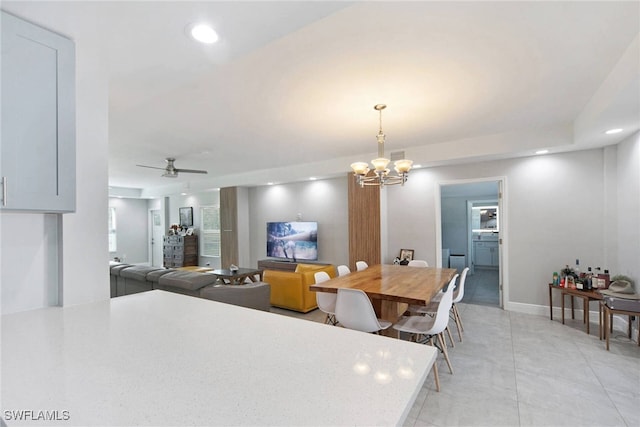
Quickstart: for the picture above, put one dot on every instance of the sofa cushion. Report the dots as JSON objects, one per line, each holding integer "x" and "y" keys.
{"x": 116, "y": 269}
{"x": 251, "y": 295}
{"x": 308, "y": 271}
{"x": 154, "y": 276}
{"x": 138, "y": 272}
{"x": 187, "y": 280}
{"x": 302, "y": 268}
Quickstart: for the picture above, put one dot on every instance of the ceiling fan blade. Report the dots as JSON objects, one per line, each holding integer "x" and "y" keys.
{"x": 190, "y": 171}
{"x": 170, "y": 171}
{"x": 150, "y": 167}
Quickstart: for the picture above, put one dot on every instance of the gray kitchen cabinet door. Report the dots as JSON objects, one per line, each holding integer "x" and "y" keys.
{"x": 37, "y": 149}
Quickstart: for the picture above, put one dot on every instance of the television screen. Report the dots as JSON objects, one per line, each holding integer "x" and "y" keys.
{"x": 292, "y": 240}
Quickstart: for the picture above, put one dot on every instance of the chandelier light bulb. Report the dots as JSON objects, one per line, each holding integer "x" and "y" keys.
{"x": 380, "y": 163}
{"x": 403, "y": 165}
{"x": 360, "y": 168}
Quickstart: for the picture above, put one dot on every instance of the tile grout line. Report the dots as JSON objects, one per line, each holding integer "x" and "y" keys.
{"x": 515, "y": 370}
{"x": 588, "y": 361}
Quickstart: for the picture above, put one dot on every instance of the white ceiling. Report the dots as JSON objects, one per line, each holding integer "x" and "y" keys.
{"x": 290, "y": 88}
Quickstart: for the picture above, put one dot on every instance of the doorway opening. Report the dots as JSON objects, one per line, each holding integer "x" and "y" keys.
{"x": 156, "y": 240}
{"x": 472, "y": 229}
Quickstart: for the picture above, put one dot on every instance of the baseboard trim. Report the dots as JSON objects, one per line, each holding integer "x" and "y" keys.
{"x": 619, "y": 322}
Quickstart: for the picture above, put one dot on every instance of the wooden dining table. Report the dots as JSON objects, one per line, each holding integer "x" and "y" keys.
{"x": 392, "y": 288}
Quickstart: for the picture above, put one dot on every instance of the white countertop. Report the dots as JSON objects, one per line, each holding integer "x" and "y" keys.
{"x": 159, "y": 358}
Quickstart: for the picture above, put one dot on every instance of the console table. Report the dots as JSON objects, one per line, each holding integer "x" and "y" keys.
{"x": 274, "y": 264}
{"x": 586, "y": 296}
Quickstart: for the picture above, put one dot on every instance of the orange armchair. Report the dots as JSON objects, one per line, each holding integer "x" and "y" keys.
{"x": 290, "y": 289}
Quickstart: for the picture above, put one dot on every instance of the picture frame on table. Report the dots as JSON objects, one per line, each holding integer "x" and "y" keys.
{"x": 186, "y": 217}
{"x": 406, "y": 254}
{"x": 190, "y": 231}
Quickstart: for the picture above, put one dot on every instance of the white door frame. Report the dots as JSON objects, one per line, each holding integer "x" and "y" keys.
{"x": 503, "y": 258}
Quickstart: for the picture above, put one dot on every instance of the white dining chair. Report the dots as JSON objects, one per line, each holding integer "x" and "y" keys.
{"x": 343, "y": 270}
{"x": 424, "y": 329}
{"x": 418, "y": 263}
{"x": 361, "y": 265}
{"x": 355, "y": 311}
{"x": 431, "y": 308}
{"x": 458, "y": 294}
{"x": 326, "y": 300}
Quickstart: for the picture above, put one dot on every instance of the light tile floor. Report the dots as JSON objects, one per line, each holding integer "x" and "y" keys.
{"x": 515, "y": 369}
{"x": 481, "y": 287}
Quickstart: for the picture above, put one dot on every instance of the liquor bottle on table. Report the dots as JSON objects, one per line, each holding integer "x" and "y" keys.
{"x": 588, "y": 279}
{"x": 595, "y": 283}
{"x": 604, "y": 280}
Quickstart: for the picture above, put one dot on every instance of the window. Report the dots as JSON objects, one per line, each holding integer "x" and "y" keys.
{"x": 112, "y": 229}
{"x": 210, "y": 236}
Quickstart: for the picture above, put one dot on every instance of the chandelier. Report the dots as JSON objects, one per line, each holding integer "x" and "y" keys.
{"x": 381, "y": 175}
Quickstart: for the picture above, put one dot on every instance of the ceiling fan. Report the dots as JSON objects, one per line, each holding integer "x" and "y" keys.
{"x": 170, "y": 171}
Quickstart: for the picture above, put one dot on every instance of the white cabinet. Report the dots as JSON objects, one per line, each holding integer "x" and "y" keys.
{"x": 37, "y": 148}
{"x": 485, "y": 254}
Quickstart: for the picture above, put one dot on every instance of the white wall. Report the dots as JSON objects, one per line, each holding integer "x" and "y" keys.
{"x": 411, "y": 217}
{"x": 81, "y": 260}
{"x": 627, "y": 209}
{"x": 554, "y": 214}
{"x": 29, "y": 261}
{"x": 132, "y": 230}
{"x": 324, "y": 201}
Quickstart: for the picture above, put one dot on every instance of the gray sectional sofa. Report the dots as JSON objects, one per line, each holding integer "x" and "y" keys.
{"x": 129, "y": 279}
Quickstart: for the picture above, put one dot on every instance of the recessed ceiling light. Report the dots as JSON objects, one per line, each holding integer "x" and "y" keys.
{"x": 269, "y": 183}
{"x": 313, "y": 178}
{"x": 612, "y": 131}
{"x": 416, "y": 166}
{"x": 203, "y": 33}
{"x": 542, "y": 151}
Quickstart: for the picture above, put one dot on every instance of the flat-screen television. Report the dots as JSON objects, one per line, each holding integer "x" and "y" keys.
{"x": 292, "y": 240}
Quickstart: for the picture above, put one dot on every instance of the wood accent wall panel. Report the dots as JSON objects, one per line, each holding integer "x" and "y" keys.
{"x": 228, "y": 226}
{"x": 364, "y": 224}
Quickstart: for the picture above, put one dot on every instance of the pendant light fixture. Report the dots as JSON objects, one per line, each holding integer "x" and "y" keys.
{"x": 381, "y": 176}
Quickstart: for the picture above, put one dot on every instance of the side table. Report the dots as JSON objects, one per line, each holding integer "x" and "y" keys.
{"x": 586, "y": 296}
{"x": 608, "y": 313}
